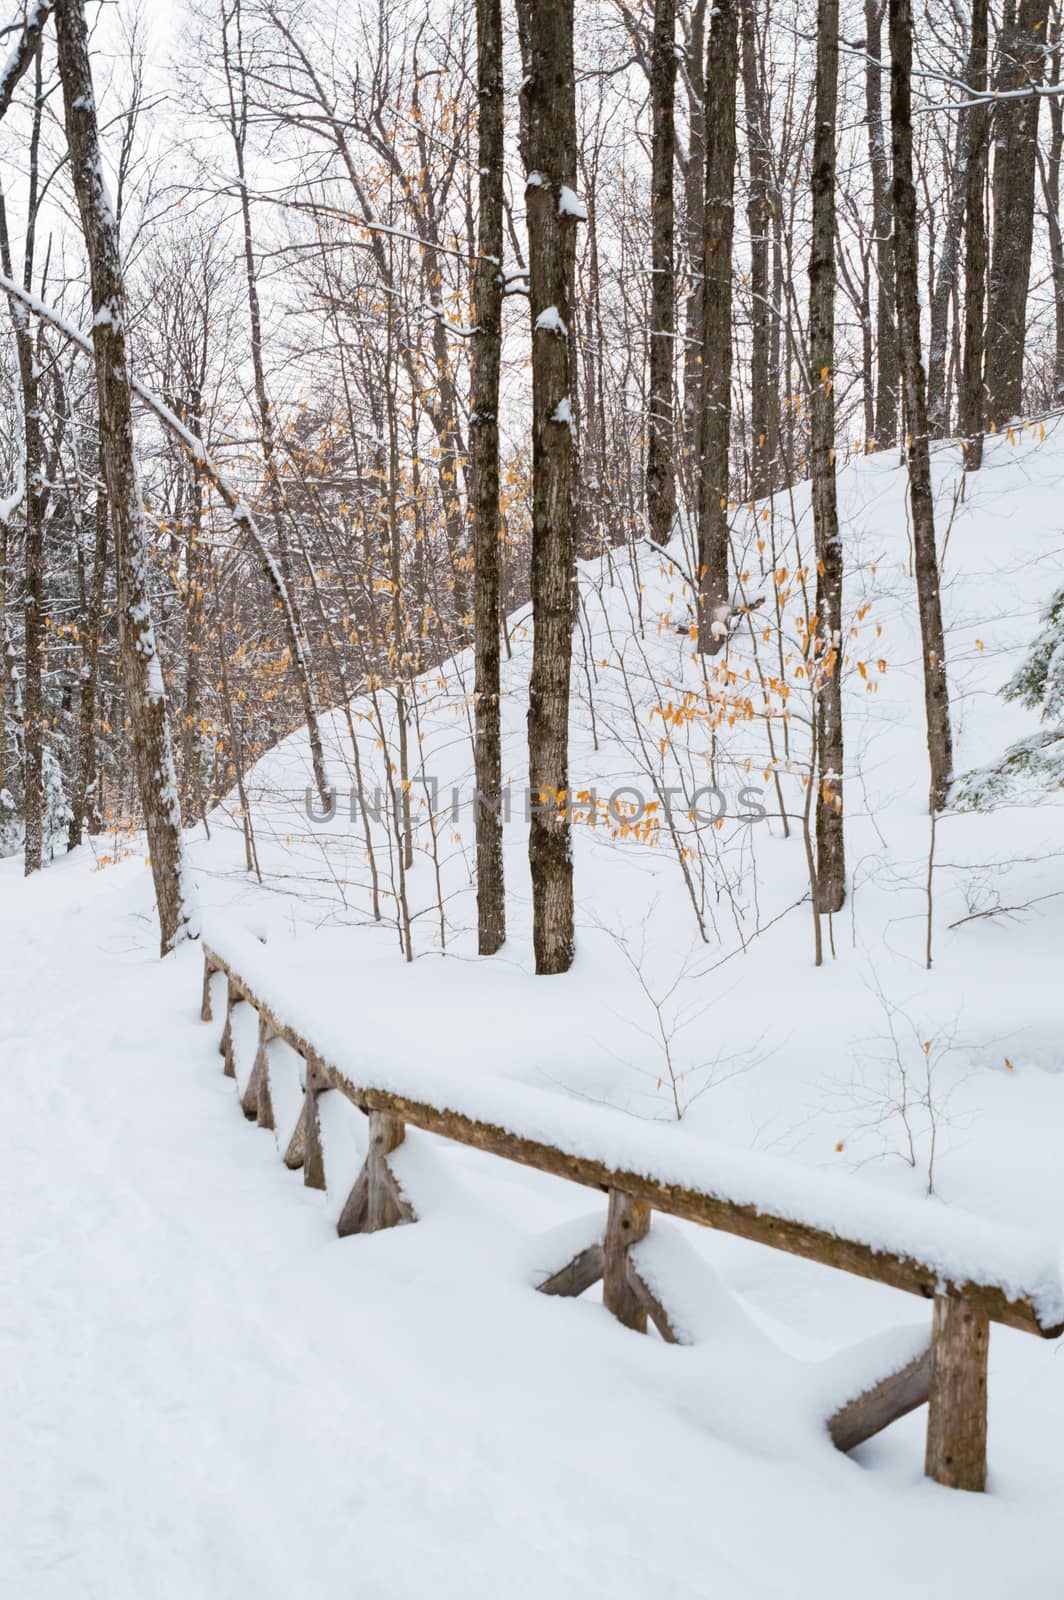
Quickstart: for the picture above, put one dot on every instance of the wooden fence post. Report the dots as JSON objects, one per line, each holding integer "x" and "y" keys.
{"x": 226, "y": 1045}
{"x": 627, "y": 1221}
{"x": 209, "y": 969}
{"x": 956, "y": 1418}
{"x": 313, "y": 1157}
{"x": 256, "y": 1102}
{"x": 376, "y": 1201}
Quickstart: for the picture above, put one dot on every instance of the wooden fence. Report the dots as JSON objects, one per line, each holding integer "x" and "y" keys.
{"x": 949, "y": 1374}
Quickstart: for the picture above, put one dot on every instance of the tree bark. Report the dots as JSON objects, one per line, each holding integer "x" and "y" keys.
{"x": 550, "y": 93}
{"x": 764, "y": 431}
{"x": 936, "y": 695}
{"x": 718, "y": 228}
{"x": 34, "y": 498}
{"x": 86, "y": 807}
{"x": 971, "y": 419}
{"x": 141, "y": 667}
{"x": 661, "y": 456}
{"x": 830, "y": 856}
{"x": 694, "y": 205}
{"x": 886, "y": 412}
{"x": 1050, "y": 169}
{"x": 484, "y": 443}
{"x": 946, "y": 277}
{"x": 1023, "y": 51}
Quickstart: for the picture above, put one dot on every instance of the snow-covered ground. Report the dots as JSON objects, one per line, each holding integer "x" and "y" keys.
{"x": 206, "y": 1393}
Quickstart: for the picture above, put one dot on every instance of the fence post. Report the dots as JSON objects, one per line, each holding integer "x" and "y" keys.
{"x": 956, "y": 1417}
{"x": 627, "y": 1221}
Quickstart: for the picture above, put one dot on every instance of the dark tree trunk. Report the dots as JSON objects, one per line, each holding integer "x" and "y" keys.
{"x": 936, "y": 697}
{"x": 484, "y": 445}
{"x": 86, "y": 807}
{"x": 33, "y": 604}
{"x": 764, "y": 430}
{"x": 830, "y": 857}
{"x": 883, "y": 222}
{"x": 718, "y": 228}
{"x": 694, "y": 205}
{"x": 1023, "y": 51}
{"x": 946, "y": 278}
{"x": 661, "y": 456}
{"x": 141, "y": 667}
{"x": 1051, "y": 191}
{"x": 972, "y": 412}
{"x": 550, "y": 93}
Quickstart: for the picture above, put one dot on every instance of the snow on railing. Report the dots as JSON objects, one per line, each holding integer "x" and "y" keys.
{"x": 975, "y": 1271}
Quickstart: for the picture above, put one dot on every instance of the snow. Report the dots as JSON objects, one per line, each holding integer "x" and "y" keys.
{"x": 550, "y": 321}
{"x": 205, "y": 1391}
{"x": 570, "y": 204}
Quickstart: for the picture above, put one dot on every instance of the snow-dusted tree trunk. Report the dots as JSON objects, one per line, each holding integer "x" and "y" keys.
{"x": 764, "y": 413}
{"x": 718, "y": 225}
{"x": 694, "y": 25}
{"x": 33, "y": 501}
{"x": 971, "y": 416}
{"x": 553, "y": 212}
{"x": 661, "y": 448}
{"x": 1050, "y": 168}
{"x": 141, "y": 668}
{"x": 936, "y": 696}
{"x": 886, "y": 410}
{"x": 86, "y": 806}
{"x": 1023, "y": 55}
{"x": 830, "y": 857}
{"x": 946, "y": 279}
{"x": 484, "y": 461}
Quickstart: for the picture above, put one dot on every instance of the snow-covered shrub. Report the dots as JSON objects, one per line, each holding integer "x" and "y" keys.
{"x": 1039, "y": 759}
{"x": 10, "y": 824}
{"x": 57, "y": 813}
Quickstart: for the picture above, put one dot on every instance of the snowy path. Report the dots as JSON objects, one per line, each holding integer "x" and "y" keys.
{"x": 205, "y": 1394}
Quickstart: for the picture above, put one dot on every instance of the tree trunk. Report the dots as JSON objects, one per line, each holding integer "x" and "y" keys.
{"x": 141, "y": 667}
{"x": 86, "y": 807}
{"x": 484, "y": 445}
{"x": 883, "y": 222}
{"x": 764, "y": 430}
{"x": 552, "y": 216}
{"x": 694, "y": 205}
{"x": 1023, "y": 51}
{"x": 972, "y": 414}
{"x": 830, "y": 858}
{"x": 34, "y": 503}
{"x": 1051, "y": 191}
{"x": 718, "y": 227}
{"x": 936, "y": 697}
{"x": 946, "y": 277}
{"x": 661, "y": 455}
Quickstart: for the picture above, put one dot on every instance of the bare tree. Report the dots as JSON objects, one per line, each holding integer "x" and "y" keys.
{"x": 936, "y": 693}
{"x": 830, "y": 855}
{"x": 484, "y": 462}
{"x": 661, "y": 445}
{"x": 1022, "y": 63}
{"x": 972, "y": 408}
{"x": 141, "y": 667}
{"x": 718, "y": 225}
{"x": 553, "y": 212}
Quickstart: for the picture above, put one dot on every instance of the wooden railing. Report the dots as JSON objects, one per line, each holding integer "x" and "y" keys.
{"x": 921, "y": 1248}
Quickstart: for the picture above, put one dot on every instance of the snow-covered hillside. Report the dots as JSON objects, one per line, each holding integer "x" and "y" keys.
{"x": 194, "y": 1363}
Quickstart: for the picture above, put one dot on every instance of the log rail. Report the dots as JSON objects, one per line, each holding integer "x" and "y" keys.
{"x": 950, "y": 1375}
